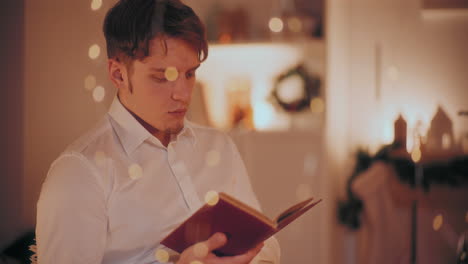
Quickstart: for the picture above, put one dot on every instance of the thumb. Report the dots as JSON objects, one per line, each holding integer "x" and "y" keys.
{"x": 217, "y": 240}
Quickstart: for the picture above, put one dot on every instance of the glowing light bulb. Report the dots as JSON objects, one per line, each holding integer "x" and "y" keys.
{"x": 90, "y": 82}
{"x": 98, "y": 94}
{"x": 96, "y": 4}
{"x": 94, "y": 51}
{"x": 276, "y": 24}
{"x": 200, "y": 250}
{"x": 135, "y": 171}
{"x": 212, "y": 198}
{"x": 317, "y": 105}
{"x": 161, "y": 255}
{"x": 437, "y": 223}
{"x": 171, "y": 73}
{"x": 295, "y": 24}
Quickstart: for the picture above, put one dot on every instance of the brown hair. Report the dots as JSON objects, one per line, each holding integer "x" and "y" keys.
{"x": 130, "y": 25}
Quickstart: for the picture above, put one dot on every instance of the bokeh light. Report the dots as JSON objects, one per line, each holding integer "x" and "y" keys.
{"x": 161, "y": 255}
{"x": 196, "y": 262}
{"x": 291, "y": 89}
{"x": 94, "y": 51}
{"x": 437, "y": 223}
{"x": 317, "y": 105}
{"x": 135, "y": 171}
{"x": 98, "y": 94}
{"x": 200, "y": 250}
{"x": 212, "y": 198}
{"x": 96, "y": 4}
{"x": 90, "y": 82}
{"x": 213, "y": 158}
{"x": 295, "y": 24}
{"x": 171, "y": 73}
{"x": 276, "y": 24}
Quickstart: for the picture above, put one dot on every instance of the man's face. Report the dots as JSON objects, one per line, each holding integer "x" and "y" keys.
{"x": 157, "y": 101}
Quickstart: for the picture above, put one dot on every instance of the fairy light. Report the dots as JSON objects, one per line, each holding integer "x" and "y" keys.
{"x": 161, "y": 255}
{"x": 212, "y": 198}
{"x": 90, "y": 82}
{"x": 200, "y": 250}
{"x": 317, "y": 105}
{"x": 135, "y": 171}
{"x": 437, "y": 223}
{"x": 295, "y": 24}
{"x": 98, "y": 94}
{"x": 276, "y": 24}
{"x": 96, "y": 4}
{"x": 94, "y": 51}
{"x": 171, "y": 73}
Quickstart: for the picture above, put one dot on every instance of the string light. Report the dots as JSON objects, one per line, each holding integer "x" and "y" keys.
{"x": 212, "y": 198}
{"x": 437, "y": 223}
{"x": 98, "y": 94}
{"x": 171, "y": 73}
{"x": 161, "y": 255}
{"x": 276, "y": 24}
{"x": 96, "y": 4}
{"x": 94, "y": 51}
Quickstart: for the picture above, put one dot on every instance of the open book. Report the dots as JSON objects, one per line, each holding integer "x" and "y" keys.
{"x": 244, "y": 226}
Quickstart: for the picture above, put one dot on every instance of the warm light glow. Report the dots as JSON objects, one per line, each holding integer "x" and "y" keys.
{"x": 100, "y": 158}
{"x": 276, "y": 24}
{"x": 212, "y": 198}
{"x": 303, "y": 192}
{"x": 161, "y": 255}
{"x": 437, "y": 223}
{"x": 90, "y": 82}
{"x": 200, "y": 250}
{"x": 446, "y": 142}
{"x": 98, "y": 94}
{"x": 263, "y": 115}
{"x": 212, "y": 158}
{"x": 135, "y": 171}
{"x": 291, "y": 89}
{"x": 295, "y": 24}
{"x": 96, "y": 4}
{"x": 171, "y": 74}
{"x": 416, "y": 154}
{"x": 317, "y": 105}
{"x": 94, "y": 51}
{"x": 196, "y": 262}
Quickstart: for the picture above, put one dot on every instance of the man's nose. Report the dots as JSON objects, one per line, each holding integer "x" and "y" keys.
{"x": 182, "y": 90}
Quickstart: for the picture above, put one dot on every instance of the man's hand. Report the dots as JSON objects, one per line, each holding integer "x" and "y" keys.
{"x": 202, "y": 252}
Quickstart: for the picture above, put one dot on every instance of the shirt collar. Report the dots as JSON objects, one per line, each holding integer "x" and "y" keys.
{"x": 131, "y": 133}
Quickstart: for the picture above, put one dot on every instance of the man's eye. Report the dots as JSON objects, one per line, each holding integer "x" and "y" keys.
{"x": 190, "y": 74}
{"x": 159, "y": 79}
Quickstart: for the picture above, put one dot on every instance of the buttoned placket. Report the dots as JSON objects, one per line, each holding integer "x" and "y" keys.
{"x": 183, "y": 178}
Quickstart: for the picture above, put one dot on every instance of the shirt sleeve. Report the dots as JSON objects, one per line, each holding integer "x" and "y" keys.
{"x": 244, "y": 191}
{"x": 71, "y": 213}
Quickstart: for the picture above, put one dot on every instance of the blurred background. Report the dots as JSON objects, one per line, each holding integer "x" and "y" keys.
{"x": 362, "y": 103}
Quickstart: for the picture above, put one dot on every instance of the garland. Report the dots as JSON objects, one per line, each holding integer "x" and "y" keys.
{"x": 311, "y": 89}
{"x": 453, "y": 173}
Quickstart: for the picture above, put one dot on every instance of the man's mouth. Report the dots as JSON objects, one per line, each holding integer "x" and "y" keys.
{"x": 178, "y": 112}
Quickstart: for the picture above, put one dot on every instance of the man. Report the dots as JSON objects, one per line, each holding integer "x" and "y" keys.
{"x": 117, "y": 191}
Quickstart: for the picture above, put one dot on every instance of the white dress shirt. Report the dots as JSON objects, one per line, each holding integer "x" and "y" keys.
{"x": 116, "y": 192}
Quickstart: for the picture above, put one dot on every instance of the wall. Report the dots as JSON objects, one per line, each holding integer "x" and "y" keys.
{"x": 11, "y": 134}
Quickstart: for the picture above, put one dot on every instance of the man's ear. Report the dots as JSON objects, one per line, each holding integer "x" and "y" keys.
{"x": 117, "y": 73}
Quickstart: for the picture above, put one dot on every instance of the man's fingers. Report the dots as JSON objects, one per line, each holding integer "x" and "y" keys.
{"x": 216, "y": 241}
{"x": 241, "y": 259}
